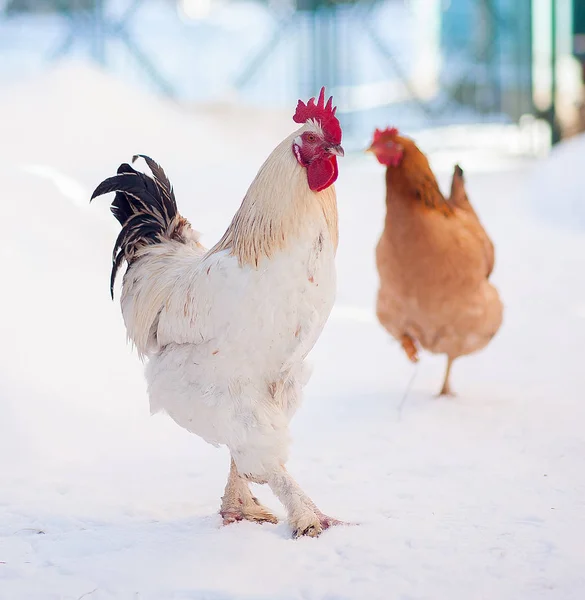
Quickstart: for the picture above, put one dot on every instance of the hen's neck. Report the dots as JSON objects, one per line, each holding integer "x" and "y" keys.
{"x": 277, "y": 209}
{"x": 412, "y": 188}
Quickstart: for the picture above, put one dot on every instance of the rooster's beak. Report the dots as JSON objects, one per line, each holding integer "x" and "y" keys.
{"x": 337, "y": 150}
{"x": 370, "y": 149}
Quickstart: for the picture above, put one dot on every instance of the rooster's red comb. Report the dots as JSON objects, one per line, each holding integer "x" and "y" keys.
{"x": 324, "y": 113}
{"x": 389, "y": 132}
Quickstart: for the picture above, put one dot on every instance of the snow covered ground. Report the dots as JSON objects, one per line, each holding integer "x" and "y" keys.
{"x": 477, "y": 497}
{"x": 558, "y": 186}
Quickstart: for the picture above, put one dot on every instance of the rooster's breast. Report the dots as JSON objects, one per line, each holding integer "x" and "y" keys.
{"x": 251, "y": 329}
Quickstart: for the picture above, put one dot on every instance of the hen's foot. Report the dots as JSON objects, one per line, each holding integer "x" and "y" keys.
{"x": 255, "y": 513}
{"x": 409, "y": 347}
{"x": 446, "y": 391}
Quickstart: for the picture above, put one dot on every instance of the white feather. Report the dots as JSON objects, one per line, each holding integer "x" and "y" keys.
{"x": 227, "y": 339}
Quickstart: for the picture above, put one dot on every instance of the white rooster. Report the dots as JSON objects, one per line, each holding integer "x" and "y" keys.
{"x": 227, "y": 330}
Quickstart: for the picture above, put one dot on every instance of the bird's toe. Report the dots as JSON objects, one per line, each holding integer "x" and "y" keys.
{"x": 307, "y": 525}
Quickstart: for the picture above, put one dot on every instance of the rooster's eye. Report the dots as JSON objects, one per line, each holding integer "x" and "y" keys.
{"x": 311, "y": 138}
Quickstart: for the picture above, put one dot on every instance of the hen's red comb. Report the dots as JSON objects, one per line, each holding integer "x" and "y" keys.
{"x": 388, "y": 132}
{"x": 324, "y": 113}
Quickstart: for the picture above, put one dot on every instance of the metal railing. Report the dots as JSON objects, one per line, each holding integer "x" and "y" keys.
{"x": 371, "y": 53}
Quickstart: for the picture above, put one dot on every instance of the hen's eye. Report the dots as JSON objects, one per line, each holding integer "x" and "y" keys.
{"x": 311, "y": 138}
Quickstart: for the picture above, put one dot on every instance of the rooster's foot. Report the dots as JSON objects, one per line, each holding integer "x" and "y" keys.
{"x": 307, "y": 524}
{"x": 313, "y": 524}
{"x": 327, "y": 522}
{"x": 255, "y": 513}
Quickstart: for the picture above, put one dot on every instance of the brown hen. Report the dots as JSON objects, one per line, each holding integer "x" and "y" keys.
{"x": 434, "y": 260}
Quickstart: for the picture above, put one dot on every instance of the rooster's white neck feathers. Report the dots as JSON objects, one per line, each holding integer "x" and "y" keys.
{"x": 277, "y": 207}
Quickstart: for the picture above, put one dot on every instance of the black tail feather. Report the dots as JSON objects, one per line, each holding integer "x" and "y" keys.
{"x": 160, "y": 178}
{"x": 144, "y": 206}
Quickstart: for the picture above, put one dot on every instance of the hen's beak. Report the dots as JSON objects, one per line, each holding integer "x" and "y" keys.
{"x": 370, "y": 149}
{"x": 337, "y": 150}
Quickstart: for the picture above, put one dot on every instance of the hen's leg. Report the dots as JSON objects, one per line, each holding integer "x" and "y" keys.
{"x": 304, "y": 517}
{"x": 409, "y": 347}
{"x": 239, "y": 504}
{"x": 446, "y": 389}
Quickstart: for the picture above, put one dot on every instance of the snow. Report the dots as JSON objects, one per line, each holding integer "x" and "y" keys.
{"x": 558, "y": 185}
{"x": 481, "y": 496}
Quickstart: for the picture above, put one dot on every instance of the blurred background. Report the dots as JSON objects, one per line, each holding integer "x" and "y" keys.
{"x": 504, "y": 73}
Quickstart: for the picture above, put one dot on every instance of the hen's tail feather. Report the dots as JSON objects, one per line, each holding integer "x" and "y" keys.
{"x": 145, "y": 207}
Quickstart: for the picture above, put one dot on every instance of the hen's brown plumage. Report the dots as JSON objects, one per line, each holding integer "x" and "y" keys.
{"x": 434, "y": 259}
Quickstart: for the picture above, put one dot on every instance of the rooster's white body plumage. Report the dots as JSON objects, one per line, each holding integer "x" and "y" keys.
{"x": 227, "y": 356}
{"x": 226, "y": 331}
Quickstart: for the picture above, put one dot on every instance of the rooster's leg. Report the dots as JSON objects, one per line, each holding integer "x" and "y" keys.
{"x": 239, "y": 504}
{"x": 304, "y": 517}
{"x": 446, "y": 389}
